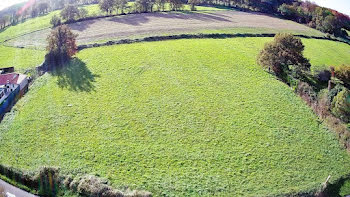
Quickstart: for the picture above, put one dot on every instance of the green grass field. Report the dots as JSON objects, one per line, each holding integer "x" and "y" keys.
{"x": 322, "y": 53}
{"x": 177, "y": 118}
{"x": 325, "y": 53}
{"x": 21, "y": 59}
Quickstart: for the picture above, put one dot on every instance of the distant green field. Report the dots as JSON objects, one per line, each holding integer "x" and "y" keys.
{"x": 28, "y": 26}
{"x": 21, "y": 59}
{"x": 177, "y": 118}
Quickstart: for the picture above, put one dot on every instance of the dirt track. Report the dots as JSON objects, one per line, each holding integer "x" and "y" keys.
{"x": 162, "y": 23}
{"x": 11, "y": 191}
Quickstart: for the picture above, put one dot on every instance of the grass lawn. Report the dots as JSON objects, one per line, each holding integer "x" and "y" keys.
{"x": 177, "y": 118}
{"x": 21, "y": 59}
{"x": 325, "y": 53}
{"x": 322, "y": 53}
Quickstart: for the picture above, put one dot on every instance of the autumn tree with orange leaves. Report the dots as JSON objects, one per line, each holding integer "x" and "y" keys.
{"x": 61, "y": 46}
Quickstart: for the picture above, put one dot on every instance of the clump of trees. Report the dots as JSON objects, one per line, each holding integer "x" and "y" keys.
{"x": 283, "y": 54}
{"x": 16, "y": 14}
{"x": 323, "y": 19}
{"x": 71, "y": 13}
{"x": 331, "y": 101}
{"x": 61, "y": 46}
{"x": 144, "y": 5}
{"x": 141, "y": 6}
{"x": 160, "y": 4}
{"x": 108, "y": 6}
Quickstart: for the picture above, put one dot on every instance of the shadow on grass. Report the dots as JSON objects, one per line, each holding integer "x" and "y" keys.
{"x": 333, "y": 190}
{"x": 75, "y": 76}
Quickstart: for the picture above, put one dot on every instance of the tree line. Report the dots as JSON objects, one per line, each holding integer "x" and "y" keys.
{"x": 323, "y": 19}
{"x": 37, "y": 8}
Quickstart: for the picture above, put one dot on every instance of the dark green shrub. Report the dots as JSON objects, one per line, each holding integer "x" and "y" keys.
{"x": 341, "y": 105}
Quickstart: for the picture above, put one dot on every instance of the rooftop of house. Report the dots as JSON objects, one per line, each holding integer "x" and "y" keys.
{"x": 12, "y": 78}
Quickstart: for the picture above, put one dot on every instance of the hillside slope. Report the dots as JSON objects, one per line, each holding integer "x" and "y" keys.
{"x": 185, "y": 117}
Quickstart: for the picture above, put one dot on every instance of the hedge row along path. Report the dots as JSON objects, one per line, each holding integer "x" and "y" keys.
{"x": 160, "y": 23}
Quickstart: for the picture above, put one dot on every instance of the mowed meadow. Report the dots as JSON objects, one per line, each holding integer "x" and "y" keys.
{"x": 176, "y": 118}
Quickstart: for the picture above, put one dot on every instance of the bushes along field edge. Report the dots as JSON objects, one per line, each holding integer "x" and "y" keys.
{"x": 333, "y": 108}
{"x": 48, "y": 181}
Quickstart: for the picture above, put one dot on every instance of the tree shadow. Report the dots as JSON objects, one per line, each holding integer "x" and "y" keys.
{"x": 83, "y": 25}
{"x": 75, "y": 76}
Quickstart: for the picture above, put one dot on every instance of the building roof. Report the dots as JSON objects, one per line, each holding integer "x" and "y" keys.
{"x": 12, "y": 78}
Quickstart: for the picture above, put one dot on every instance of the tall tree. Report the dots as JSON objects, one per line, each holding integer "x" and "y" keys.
{"x": 61, "y": 46}
{"x": 70, "y": 13}
{"x": 284, "y": 51}
{"x": 121, "y": 5}
{"x": 160, "y": 4}
{"x": 176, "y": 4}
{"x": 144, "y": 5}
{"x": 107, "y": 6}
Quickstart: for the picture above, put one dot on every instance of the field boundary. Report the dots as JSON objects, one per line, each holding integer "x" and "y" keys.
{"x": 24, "y": 35}
{"x": 48, "y": 181}
{"x": 194, "y": 36}
{"x": 35, "y": 184}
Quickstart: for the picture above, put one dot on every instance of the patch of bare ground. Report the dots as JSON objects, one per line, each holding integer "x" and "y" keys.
{"x": 163, "y": 23}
